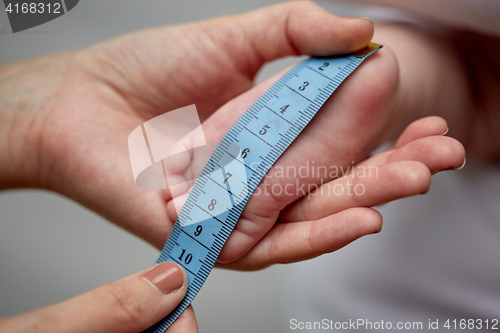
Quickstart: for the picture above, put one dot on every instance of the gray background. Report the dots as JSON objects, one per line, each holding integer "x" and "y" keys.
{"x": 52, "y": 249}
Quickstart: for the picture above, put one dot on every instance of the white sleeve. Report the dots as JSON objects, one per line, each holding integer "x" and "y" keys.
{"x": 479, "y": 15}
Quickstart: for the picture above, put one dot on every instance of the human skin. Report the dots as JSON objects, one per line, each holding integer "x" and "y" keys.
{"x": 65, "y": 119}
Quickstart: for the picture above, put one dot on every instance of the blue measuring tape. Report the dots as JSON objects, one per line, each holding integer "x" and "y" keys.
{"x": 241, "y": 160}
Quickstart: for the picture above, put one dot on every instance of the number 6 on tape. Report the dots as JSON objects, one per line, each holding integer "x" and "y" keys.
{"x": 241, "y": 160}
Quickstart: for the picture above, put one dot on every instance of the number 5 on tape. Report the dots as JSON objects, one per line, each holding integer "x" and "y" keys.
{"x": 241, "y": 160}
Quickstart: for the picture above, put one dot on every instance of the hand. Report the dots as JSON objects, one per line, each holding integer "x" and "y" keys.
{"x": 356, "y": 119}
{"x": 65, "y": 119}
{"x": 131, "y": 305}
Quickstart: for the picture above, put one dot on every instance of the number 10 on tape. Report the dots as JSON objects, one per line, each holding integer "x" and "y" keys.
{"x": 241, "y": 160}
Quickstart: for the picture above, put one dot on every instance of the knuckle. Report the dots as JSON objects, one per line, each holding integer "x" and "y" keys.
{"x": 310, "y": 237}
{"x": 306, "y": 211}
{"x": 126, "y": 309}
{"x": 273, "y": 251}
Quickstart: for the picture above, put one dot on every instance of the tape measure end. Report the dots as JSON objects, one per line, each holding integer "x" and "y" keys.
{"x": 367, "y": 50}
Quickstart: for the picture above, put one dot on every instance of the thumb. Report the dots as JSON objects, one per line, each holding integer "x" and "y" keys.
{"x": 131, "y": 304}
{"x": 302, "y": 27}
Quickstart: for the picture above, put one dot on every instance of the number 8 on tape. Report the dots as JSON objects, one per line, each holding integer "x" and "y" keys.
{"x": 241, "y": 160}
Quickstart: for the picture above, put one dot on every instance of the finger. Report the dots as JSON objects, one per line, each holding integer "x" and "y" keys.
{"x": 438, "y": 153}
{"x": 207, "y": 63}
{"x": 131, "y": 305}
{"x": 292, "y": 242}
{"x": 383, "y": 178}
{"x": 301, "y": 27}
{"x": 293, "y": 28}
{"x": 420, "y": 128}
{"x": 369, "y": 187}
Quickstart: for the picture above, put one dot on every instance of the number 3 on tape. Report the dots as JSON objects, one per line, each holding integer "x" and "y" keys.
{"x": 241, "y": 160}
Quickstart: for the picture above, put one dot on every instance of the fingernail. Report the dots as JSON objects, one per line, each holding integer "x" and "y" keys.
{"x": 358, "y": 18}
{"x": 463, "y": 164}
{"x": 446, "y": 132}
{"x": 167, "y": 277}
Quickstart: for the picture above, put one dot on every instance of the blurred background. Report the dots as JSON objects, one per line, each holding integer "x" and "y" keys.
{"x": 52, "y": 249}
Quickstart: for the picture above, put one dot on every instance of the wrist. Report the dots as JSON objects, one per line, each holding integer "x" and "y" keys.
{"x": 16, "y": 139}
{"x": 26, "y": 93}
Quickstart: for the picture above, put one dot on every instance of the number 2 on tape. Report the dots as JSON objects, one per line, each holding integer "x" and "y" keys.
{"x": 241, "y": 160}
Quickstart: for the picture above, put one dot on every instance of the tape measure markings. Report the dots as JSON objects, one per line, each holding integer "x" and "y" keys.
{"x": 258, "y": 139}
